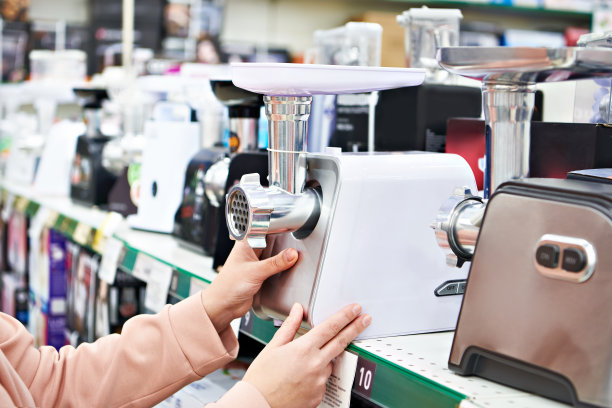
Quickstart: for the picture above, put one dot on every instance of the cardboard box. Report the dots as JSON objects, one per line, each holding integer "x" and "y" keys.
{"x": 555, "y": 148}
{"x": 393, "y": 51}
{"x": 15, "y": 296}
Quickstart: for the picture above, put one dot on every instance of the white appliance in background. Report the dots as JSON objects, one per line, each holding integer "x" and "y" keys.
{"x": 171, "y": 141}
{"x": 53, "y": 174}
{"x": 22, "y": 160}
{"x": 170, "y": 146}
{"x": 27, "y": 148}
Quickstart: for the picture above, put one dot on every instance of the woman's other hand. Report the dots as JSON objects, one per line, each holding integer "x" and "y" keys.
{"x": 293, "y": 373}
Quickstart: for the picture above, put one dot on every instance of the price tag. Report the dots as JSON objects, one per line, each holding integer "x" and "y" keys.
{"x": 196, "y": 285}
{"x": 158, "y": 276}
{"x": 20, "y": 204}
{"x": 51, "y": 218}
{"x": 142, "y": 267}
{"x": 8, "y": 206}
{"x": 110, "y": 260}
{"x": 107, "y": 229}
{"x": 235, "y": 325}
{"x": 37, "y": 223}
{"x": 246, "y": 323}
{"x": 81, "y": 233}
{"x": 364, "y": 377}
{"x": 340, "y": 382}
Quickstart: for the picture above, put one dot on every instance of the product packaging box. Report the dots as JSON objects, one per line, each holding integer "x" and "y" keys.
{"x": 117, "y": 303}
{"x": 393, "y": 50}
{"x": 555, "y": 148}
{"x": 84, "y": 291}
{"x": 48, "y": 289}
{"x": 17, "y": 243}
{"x": 15, "y": 296}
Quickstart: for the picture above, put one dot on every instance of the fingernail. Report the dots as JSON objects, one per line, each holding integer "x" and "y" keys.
{"x": 367, "y": 319}
{"x": 290, "y": 255}
{"x": 294, "y": 309}
{"x": 356, "y": 309}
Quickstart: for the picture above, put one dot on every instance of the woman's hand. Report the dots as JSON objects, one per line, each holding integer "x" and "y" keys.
{"x": 230, "y": 295}
{"x": 293, "y": 373}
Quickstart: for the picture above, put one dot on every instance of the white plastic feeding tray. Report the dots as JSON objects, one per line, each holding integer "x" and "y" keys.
{"x": 312, "y": 79}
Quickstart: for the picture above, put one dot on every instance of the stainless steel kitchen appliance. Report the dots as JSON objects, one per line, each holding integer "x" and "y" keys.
{"x": 359, "y": 221}
{"x": 90, "y": 182}
{"x": 536, "y": 309}
{"x": 199, "y": 222}
{"x": 509, "y": 76}
{"x": 534, "y": 313}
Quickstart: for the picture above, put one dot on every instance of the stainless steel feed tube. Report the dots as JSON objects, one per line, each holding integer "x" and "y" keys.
{"x": 508, "y": 109}
{"x": 252, "y": 211}
{"x": 288, "y": 127}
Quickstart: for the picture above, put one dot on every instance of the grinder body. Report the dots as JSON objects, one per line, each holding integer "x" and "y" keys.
{"x": 372, "y": 244}
{"x": 536, "y": 312}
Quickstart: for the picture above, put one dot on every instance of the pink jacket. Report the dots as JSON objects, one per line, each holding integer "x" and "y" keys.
{"x": 155, "y": 356}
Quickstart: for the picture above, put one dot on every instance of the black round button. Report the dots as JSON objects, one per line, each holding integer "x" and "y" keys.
{"x": 574, "y": 260}
{"x": 547, "y": 255}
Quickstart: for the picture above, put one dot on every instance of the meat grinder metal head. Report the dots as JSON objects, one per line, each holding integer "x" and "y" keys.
{"x": 359, "y": 221}
{"x": 509, "y": 76}
{"x": 289, "y": 205}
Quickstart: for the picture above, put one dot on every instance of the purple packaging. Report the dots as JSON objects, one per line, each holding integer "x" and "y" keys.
{"x": 57, "y": 307}
{"x": 57, "y": 266}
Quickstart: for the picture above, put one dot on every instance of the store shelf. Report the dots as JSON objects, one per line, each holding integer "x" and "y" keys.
{"x": 406, "y": 370}
{"x": 165, "y": 249}
{"x": 503, "y": 7}
{"x": 412, "y": 371}
{"x": 84, "y": 225}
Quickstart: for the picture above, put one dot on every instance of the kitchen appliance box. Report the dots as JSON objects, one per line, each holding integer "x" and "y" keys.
{"x": 555, "y": 148}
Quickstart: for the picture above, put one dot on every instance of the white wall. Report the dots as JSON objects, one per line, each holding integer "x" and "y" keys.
{"x": 287, "y": 23}
{"x": 291, "y": 23}
{"x": 73, "y": 11}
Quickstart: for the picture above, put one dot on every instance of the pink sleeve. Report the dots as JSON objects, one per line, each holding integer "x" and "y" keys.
{"x": 154, "y": 356}
{"x": 242, "y": 394}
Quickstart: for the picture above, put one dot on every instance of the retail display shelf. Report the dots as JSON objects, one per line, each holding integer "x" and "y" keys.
{"x": 412, "y": 371}
{"x": 393, "y": 371}
{"x": 89, "y": 225}
{"x": 536, "y": 11}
